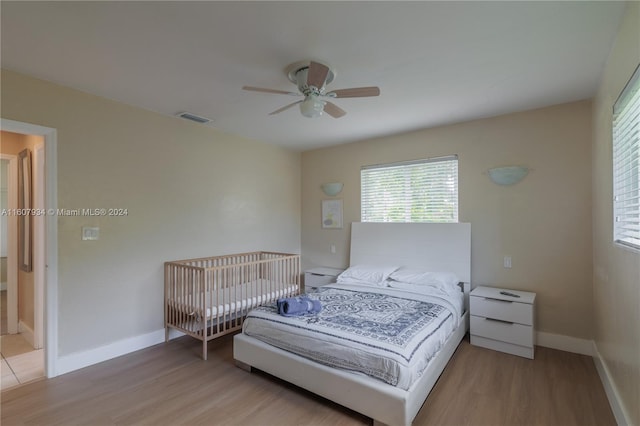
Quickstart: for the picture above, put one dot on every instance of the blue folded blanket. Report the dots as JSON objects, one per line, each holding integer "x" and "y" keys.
{"x": 292, "y": 306}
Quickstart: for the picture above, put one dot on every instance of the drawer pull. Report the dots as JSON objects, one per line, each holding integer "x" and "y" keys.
{"x": 498, "y": 300}
{"x": 497, "y": 320}
{"x": 316, "y": 275}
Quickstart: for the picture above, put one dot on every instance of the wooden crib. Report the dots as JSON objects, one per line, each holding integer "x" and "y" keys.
{"x": 209, "y": 297}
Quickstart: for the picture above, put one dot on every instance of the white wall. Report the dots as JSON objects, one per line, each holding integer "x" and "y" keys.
{"x": 189, "y": 189}
{"x": 616, "y": 270}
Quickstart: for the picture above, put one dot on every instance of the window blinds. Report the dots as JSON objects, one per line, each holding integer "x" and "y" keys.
{"x": 414, "y": 191}
{"x": 626, "y": 164}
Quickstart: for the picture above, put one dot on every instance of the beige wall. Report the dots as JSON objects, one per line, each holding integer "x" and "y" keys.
{"x": 616, "y": 270}
{"x": 543, "y": 222}
{"x": 12, "y": 144}
{"x": 190, "y": 190}
{"x": 3, "y": 269}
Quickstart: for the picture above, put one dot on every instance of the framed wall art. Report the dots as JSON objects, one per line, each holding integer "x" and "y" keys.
{"x": 332, "y": 214}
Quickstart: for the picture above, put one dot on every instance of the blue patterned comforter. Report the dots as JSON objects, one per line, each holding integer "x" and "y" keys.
{"x": 382, "y": 332}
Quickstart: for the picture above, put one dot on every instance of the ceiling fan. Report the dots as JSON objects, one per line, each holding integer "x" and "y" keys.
{"x": 311, "y": 77}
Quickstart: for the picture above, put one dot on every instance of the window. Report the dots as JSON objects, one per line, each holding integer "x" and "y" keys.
{"x": 626, "y": 164}
{"x": 412, "y": 191}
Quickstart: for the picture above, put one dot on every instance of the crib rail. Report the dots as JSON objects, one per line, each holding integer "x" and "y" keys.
{"x": 209, "y": 297}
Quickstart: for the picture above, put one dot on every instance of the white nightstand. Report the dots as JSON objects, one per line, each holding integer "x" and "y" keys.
{"x": 502, "y": 322}
{"x": 317, "y": 277}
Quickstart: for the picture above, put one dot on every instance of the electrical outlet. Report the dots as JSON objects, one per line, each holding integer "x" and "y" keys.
{"x": 507, "y": 262}
{"x": 90, "y": 233}
{"x": 333, "y": 249}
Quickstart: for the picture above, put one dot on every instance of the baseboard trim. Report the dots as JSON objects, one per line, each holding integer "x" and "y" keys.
{"x": 621, "y": 415}
{"x": 564, "y": 343}
{"x": 27, "y": 333}
{"x": 78, "y": 360}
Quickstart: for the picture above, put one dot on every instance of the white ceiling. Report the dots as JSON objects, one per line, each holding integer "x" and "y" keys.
{"x": 435, "y": 62}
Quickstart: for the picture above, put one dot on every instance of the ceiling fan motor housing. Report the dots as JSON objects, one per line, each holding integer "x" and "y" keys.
{"x": 298, "y": 74}
{"x": 305, "y": 89}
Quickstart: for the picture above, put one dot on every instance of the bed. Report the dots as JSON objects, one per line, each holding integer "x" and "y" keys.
{"x": 209, "y": 297}
{"x": 394, "y": 399}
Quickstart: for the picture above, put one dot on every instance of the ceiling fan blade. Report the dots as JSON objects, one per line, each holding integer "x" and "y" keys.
{"x": 334, "y": 110}
{"x": 317, "y": 74}
{"x": 355, "y": 92}
{"x": 286, "y": 107}
{"x": 278, "y": 92}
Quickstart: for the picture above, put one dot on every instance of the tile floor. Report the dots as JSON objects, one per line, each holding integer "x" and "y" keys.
{"x": 20, "y": 362}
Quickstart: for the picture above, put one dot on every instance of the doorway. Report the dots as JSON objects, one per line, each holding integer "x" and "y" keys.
{"x": 21, "y": 349}
{"x": 45, "y": 265}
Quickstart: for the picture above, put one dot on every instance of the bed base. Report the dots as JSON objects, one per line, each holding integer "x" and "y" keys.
{"x": 209, "y": 297}
{"x": 384, "y": 403}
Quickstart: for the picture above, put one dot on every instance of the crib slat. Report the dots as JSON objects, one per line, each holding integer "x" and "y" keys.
{"x": 210, "y": 297}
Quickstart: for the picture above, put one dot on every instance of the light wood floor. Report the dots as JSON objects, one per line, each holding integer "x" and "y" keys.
{"x": 169, "y": 384}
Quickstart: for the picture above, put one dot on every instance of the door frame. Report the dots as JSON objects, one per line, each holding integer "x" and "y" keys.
{"x": 39, "y": 243}
{"x": 49, "y": 262}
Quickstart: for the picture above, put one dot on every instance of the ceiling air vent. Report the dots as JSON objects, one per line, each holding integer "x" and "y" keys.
{"x": 193, "y": 117}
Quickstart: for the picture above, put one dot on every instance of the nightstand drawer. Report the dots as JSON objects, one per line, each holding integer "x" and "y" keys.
{"x": 317, "y": 277}
{"x": 317, "y": 280}
{"x": 496, "y": 345}
{"x": 506, "y": 310}
{"x": 517, "y": 334}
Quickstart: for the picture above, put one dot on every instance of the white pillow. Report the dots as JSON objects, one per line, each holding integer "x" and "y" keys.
{"x": 444, "y": 280}
{"x": 367, "y": 274}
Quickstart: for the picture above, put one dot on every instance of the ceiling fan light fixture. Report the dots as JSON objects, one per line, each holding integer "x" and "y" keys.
{"x": 312, "y": 107}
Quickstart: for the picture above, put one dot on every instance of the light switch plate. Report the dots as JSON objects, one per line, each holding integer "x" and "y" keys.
{"x": 90, "y": 233}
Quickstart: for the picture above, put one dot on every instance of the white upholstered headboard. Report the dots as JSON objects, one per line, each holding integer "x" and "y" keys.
{"x": 440, "y": 247}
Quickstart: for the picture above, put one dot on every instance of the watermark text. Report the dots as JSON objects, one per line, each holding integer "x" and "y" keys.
{"x": 66, "y": 212}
